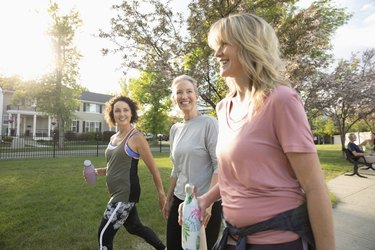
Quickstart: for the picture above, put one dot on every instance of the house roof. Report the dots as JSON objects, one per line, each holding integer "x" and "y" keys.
{"x": 95, "y": 97}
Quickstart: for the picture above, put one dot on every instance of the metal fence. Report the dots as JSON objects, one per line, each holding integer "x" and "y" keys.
{"x": 29, "y": 147}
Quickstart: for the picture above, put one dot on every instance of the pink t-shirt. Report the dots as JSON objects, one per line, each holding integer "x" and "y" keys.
{"x": 255, "y": 178}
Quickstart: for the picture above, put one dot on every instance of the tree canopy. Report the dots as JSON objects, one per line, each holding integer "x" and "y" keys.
{"x": 154, "y": 101}
{"x": 347, "y": 94}
{"x": 57, "y": 93}
{"x": 155, "y": 39}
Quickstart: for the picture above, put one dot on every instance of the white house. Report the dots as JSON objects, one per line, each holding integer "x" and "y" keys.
{"x": 25, "y": 120}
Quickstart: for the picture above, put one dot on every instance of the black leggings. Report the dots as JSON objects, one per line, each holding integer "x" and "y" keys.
{"x": 134, "y": 226}
{"x": 174, "y": 229}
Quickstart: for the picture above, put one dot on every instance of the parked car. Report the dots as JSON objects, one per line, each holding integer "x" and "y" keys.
{"x": 163, "y": 137}
{"x": 149, "y": 136}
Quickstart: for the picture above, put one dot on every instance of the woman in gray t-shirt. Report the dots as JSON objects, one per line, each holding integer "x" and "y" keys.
{"x": 193, "y": 146}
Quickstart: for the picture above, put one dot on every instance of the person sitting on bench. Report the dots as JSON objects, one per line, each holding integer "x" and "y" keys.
{"x": 357, "y": 151}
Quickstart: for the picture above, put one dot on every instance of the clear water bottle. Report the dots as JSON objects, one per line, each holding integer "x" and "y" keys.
{"x": 89, "y": 172}
{"x": 191, "y": 224}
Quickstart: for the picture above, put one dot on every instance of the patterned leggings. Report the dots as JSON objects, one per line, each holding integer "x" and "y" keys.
{"x": 124, "y": 213}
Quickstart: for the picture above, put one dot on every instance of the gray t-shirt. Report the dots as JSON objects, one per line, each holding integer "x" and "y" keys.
{"x": 193, "y": 153}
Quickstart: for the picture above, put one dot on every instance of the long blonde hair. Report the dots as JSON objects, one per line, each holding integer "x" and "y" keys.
{"x": 258, "y": 52}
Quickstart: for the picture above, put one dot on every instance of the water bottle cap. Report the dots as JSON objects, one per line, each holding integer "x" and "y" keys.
{"x": 87, "y": 163}
{"x": 189, "y": 188}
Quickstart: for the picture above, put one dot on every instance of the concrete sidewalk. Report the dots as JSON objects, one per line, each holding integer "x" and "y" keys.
{"x": 354, "y": 216}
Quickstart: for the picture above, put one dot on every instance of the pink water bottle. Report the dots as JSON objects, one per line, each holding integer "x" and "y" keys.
{"x": 89, "y": 171}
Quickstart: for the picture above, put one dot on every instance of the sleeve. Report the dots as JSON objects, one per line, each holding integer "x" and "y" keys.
{"x": 292, "y": 127}
{"x": 212, "y": 131}
{"x": 354, "y": 147}
{"x": 175, "y": 171}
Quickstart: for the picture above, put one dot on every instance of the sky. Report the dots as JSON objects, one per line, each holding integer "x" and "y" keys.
{"x": 25, "y": 48}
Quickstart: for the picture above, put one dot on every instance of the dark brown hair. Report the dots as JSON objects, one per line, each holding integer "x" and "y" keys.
{"x": 108, "y": 112}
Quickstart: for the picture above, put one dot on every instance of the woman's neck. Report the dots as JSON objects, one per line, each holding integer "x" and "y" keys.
{"x": 191, "y": 115}
{"x": 124, "y": 129}
{"x": 241, "y": 84}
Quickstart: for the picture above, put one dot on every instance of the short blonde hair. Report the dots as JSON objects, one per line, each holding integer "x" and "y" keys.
{"x": 184, "y": 78}
{"x": 351, "y": 136}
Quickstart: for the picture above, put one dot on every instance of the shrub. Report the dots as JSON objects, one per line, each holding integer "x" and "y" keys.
{"x": 82, "y": 137}
{"x": 70, "y": 136}
{"x": 107, "y": 135}
{"x": 7, "y": 139}
{"x": 91, "y": 136}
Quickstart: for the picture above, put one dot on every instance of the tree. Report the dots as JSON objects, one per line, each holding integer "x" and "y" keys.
{"x": 370, "y": 121}
{"x": 360, "y": 126}
{"x": 323, "y": 126}
{"x": 148, "y": 35}
{"x": 24, "y": 92}
{"x": 58, "y": 92}
{"x": 154, "y": 102}
{"x": 9, "y": 83}
{"x": 124, "y": 86}
{"x": 347, "y": 92}
{"x": 305, "y": 38}
{"x": 157, "y": 41}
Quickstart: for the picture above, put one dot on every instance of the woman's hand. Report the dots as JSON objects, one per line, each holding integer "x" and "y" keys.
{"x": 204, "y": 207}
{"x": 180, "y": 213}
{"x": 166, "y": 209}
{"x": 205, "y": 211}
{"x": 207, "y": 216}
{"x": 83, "y": 173}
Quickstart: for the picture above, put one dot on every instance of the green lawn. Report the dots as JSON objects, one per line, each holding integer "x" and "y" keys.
{"x": 45, "y": 203}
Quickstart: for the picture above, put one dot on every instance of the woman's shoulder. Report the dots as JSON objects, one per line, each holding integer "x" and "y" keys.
{"x": 136, "y": 134}
{"x": 284, "y": 91}
{"x": 113, "y": 136}
{"x": 208, "y": 120}
{"x": 177, "y": 125}
{"x": 284, "y": 94}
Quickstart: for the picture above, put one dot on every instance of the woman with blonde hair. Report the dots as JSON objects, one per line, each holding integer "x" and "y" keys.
{"x": 269, "y": 177}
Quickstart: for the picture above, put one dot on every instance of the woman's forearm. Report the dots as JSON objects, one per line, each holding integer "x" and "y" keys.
{"x": 172, "y": 185}
{"x": 101, "y": 171}
{"x": 210, "y": 197}
{"x": 320, "y": 214}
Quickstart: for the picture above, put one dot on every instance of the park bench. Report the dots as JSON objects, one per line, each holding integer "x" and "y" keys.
{"x": 358, "y": 162}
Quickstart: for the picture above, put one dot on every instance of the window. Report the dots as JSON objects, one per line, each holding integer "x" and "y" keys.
{"x": 75, "y": 126}
{"x": 5, "y": 119}
{"x": 92, "y": 126}
{"x": 92, "y": 108}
